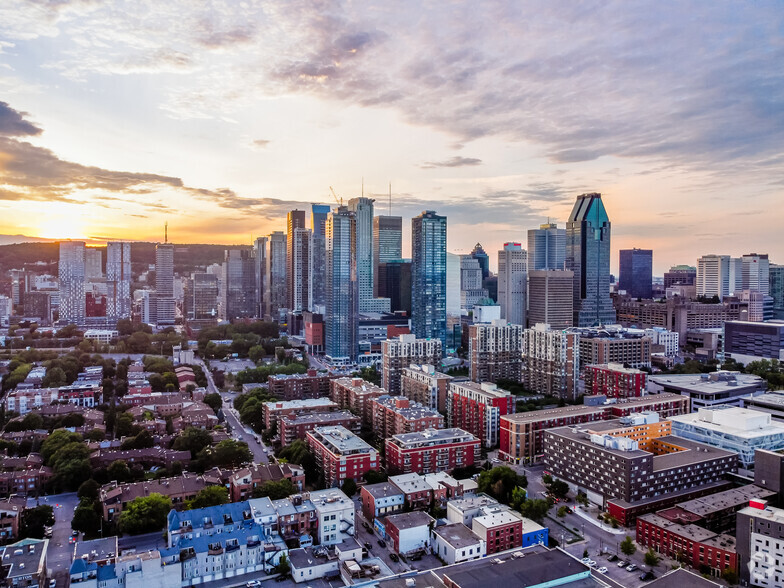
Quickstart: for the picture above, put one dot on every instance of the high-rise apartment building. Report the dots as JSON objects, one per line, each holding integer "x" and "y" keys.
{"x": 755, "y": 272}
{"x": 495, "y": 351}
{"x": 546, "y": 247}
{"x": 239, "y": 284}
{"x": 760, "y": 545}
{"x": 680, "y": 275}
{"x": 471, "y": 290}
{"x": 71, "y": 272}
{"x": 318, "y": 254}
{"x": 588, "y": 256}
{"x": 636, "y": 275}
{"x": 512, "y": 283}
{"x": 400, "y": 353}
{"x": 294, "y": 220}
{"x": 164, "y": 284}
{"x": 260, "y": 248}
{"x": 342, "y": 318}
{"x": 300, "y": 265}
{"x": 551, "y": 361}
{"x": 387, "y": 246}
{"x": 93, "y": 263}
{"x": 478, "y": 408}
{"x": 551, "y": 298}
{"x": 713, "y": 276}
{"x": 118, "y": 281}
{"x": 428, "y": 276}
{"x": 363, "y": 211}
{"x": 422, "y": 383}
{"x": 483, "y": 258}
{"x": 277, "y": 268}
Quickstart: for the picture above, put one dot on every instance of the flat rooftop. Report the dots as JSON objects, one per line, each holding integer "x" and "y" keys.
{"x": 319, "y": 417}
{"x": 691, "y": 532}
{"x": 409, "y": 520}
{"x": 382, "y": 490}
{"x": 299, "y": 404}
{"x": 340, "y": 441}
{"x": 96, "y": 548}
{"x": 774, "y": 515}
{"x": 738, "y": 422}
{"x": 725, "y": 500}
{"x": 709, "y": 384}
{"x": 433, "y": 437}
{"x": 457, "y": 535}
{"x": 769, "y": 399}
{"x": 694, "y": 452}
{"x": 681, "y": 578}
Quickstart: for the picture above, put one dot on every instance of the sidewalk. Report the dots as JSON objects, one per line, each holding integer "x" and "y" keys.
{"x": 596, "y": 522}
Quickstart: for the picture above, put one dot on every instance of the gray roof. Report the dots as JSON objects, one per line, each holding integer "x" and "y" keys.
{"x": 680, "y": 578}
{"x": 382, "y": 490}
{"x": 409, "y": 520}
{"x": 457, "y": 535}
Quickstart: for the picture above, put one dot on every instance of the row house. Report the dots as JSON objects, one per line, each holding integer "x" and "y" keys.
{"x": 379, "y": 500}
{"x": 152, "y": 456}
{"x": 393, "y": 415}
{"x": 434, "y": 450}
{"x": 23, "y": 401}
{"x": 11, "y": 509}
{"x": 296, "y": 426}
{"x": 614, "y": 381}
{"x": 244, "y": 481}
{"x": 478, "y": 408}
{"x": 356, "y": 395}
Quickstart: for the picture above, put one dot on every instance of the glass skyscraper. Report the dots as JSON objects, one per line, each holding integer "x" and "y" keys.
{"x": 428, "y": 276}
{"x": 588, "y": 256}
{"x": 387, "y": 244}
{"x": 483, "y": 258}
{"x": 342, "y": 318}
{"x": 239, "y": 284}
{"x": 546, "y": 247}
{"x": 118, "y": 280}
{"x": 363, "y": 212}
{"x": 318, "y": 253}
{"x": 276, "y": 275}
{"x": 72, "y": 282}
{"x": 636, "y": 275}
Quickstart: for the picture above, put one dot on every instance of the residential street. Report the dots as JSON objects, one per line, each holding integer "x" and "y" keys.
{"x": 60, "y": 550}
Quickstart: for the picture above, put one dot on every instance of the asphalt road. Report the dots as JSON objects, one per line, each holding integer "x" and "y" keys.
{"x": 60, "y": 551}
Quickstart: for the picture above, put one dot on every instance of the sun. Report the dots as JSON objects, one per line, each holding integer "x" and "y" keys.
{"x": 58, "y": 222}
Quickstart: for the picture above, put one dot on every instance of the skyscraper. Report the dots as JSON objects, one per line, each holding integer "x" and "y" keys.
{"x": 546, "y": 247}
{"x": 260, "y": 248}
{"x": 428, "y": 276}
{"x": 342, "y": 318}
{"x": 776, "y": 282}
{"x": 299, "y": 265}
{"x": 164, "y": 284}
{"x": 71, "y": 272}
{"x": 394, "y": 282}
{"x": 295, "y": 220}
{"x": 363, "y": 211}
{"x": 118, "y": 281}
{"x": 483, "y": 258}
{"x": 471, "y": 290}
{"x": 318, "y": 254}
{"x": 239, "y": 284}
{"x": 551, "y": 298}
{"x": 636, "y": 275}
{"x": 203, "y": 297}
{"x": 277, "y": 268}
{"x": 588, "y": 256}
{"x": 512, "y": 283}
{"x": 387, "y": 244}
{"x": 713, "y": 276}
{"x": 756, "y": 272}
{"x": 93, "y": 263}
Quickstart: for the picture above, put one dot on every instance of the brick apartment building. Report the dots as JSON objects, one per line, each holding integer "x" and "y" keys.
{"x": 355, "y": 394}
{"x": 393, "y": 415}
{"x": 272, "y": 412}
{"x": 478, "y": 408}
{"x": 614, "y": 381}
{"x": 423, "y": 384}
{"x": 379, "y": 500}
{"x": 295, "y": 426}
{"x": 600, "y": 346}
{"x": 312, "y": 384}
{"x": 435, "y": 450}
{"x": 340, "y": 454}
{"x": 501, "y": 529}
{"x": 400, "y": 353}
{"x": 495, "y": 351}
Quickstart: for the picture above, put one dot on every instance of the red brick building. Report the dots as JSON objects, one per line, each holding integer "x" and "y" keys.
{"x": 356, "y": 395}
{"x": 393, "y": 415}
{"x": 274, "y": 411}
{"x": 477, "y": 408}
{"x": 501, "y": 529}
{"x": 313, "y": 384}
{"x": 434, "y": 450}
{"x": 340, "y": 454}
{"x": 314, "y": 331}
{"x": 688, "y": 543}
{"x": 614, "y": 381}
{"x": 295, "y": 426}
{"x": 244, "y": 481}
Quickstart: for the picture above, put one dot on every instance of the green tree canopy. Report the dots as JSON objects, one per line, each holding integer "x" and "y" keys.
{"x": 210, "y": 496}
{"x": 55, "y": 441}
{"x": 627, "y": 546}
{"x": 275, "y": 489}
{"x": 349, "y": 487}
{"x": 651, "y": 558}
{"x": 118, "y": 470}
{"x": 499, "y": 483}
{"x": 214, "y": 401}
{"x": 192, "y": 439}
{"x": 228, "y": 453}
{"x": 90, "y": 489}
{"x": 145, "y": 514}
{"x": 34, "y": 520}
{"x": 86, "y": 519}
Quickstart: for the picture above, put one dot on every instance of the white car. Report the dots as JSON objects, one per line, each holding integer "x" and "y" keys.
{"x": 602, "y": 570}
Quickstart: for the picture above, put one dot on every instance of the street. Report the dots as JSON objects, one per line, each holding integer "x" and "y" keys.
{"x": 60, "y": 550}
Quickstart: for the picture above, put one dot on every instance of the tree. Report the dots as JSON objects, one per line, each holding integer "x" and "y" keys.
{"x": 192, "y": 439}
{"x": 32, "y": 421}
{"x": 628, "y": 547}
{"x": 55, "y": 441}
{"x": 214, "y": 401}
{"x": 535, "y": 509}
{"x": 283, "y": 567}
{"x": 275, "y": 490}
{"x": 256, "y": 353}
{"x": 499, "y": 483}
{"x": 96, "y": 435}
{"x": 119, "y": 470}
{"x": 562, "y": 511}
{"x": 730, "y": 576}
{"x": 89, "y": 489}
{"x": 86, "y": 519}
{"x": 651, "y": 558}
{"x": 34, "y": 520}
{"x": 142, "y": 440}
{"x": 298, "y": 453}
{"x": 124, "y": 425}
{"x": 71, "y": 465}
{"x": 374, "y": 477}
{"x": 559, "y": 489}
{"x": 349, "y": 487}
{"x": 55, "y": 377}
{"x": 145, "y": 514}
{"x": 228, "y": 453}
{"x": 209, "y": 496}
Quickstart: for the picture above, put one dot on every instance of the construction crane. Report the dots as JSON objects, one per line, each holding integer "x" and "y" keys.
{"x": 337, "y": 198}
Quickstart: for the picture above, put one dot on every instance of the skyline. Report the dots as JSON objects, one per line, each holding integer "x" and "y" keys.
{"x": 221, "y": 120}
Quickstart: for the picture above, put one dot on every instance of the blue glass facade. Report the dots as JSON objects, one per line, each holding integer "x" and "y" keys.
{"x": 636, "y": 276}
{"x": 588, "y": 256}
{"x": 342, "y": 319}
{"x": 428, "y": 276}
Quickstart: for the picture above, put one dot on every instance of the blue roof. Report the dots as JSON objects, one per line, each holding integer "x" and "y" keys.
{"x": 79, "y": 566}
{"x": 107, "y": 572}
{"x": 201, "y": 543}
{"x": 215, "y": 513}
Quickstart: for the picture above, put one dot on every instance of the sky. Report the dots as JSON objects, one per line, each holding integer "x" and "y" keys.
{"x": 220, "y": 117}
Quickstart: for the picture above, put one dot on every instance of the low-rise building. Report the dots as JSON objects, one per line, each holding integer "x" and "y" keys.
{"x": 355, "y": 394}
{"x": 335, "y": 512}
{"x": 464, "y": 510}
{"x": 24, "y": 563}
{"x": 614, "y": 380}
{"x": 434, "y": 450}
{"x": 11, "y": 509}
{"x": 393, "y": 415}
{"x": 423, "y": 384}
{"x": 296, "y": 425}
{"x": 312, "y": 384}
{"x": 409, "y": 532}
{"x": 501, "y": 529}
{"x": 417, "y": 492}
{"x": 380, "y": 500}
{"x": 115, "y": 496}
{"x": 244, "y": 481}
{"x": 152, "y": 456}
{"x": 272, "y": 412}
{"x": 455, "y": 543}
{"x": 311, "y": 563}
{"x": 705, "y": 390}
{"x": 340, "y": 454}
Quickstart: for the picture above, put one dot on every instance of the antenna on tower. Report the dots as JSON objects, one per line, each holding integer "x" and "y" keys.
{"x": 390, "y": 198}
{"x": 166, "y": 232}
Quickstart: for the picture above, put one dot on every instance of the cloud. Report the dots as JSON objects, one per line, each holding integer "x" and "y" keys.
{"x": 13, "y": 124}
{"x": 260, "y": 143}
{"x": 456, "y": 161}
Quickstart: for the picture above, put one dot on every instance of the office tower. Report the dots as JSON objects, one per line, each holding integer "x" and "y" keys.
{"x": 452, "y": 284}
{"x": 551, "y": 298}
{"x": 118, "y": 280}
{"x": 164, "y": 284}
{"x": 588, "y": 256}
{"x": 512, "y": 282}
{"x": 363, "y": 211}
{"x": 294, "y": 220}
{"x": 736, "y": 276}
{"x": 93, "y": 263}
{"x": 403, "y": 351}
{"x": 203, "y": 296}
{"x": 394, "y": 282}
{"x": 546, "y": 247}
{"x": 756, "y": 272}
{"x": 342, "y": 318}
{"x": 428, "y": 276}
{"x": 318, "y": 254}
{"x": 680, "y": 275}
{"x": 483, "y": 258}
{"x": 471, "y": 290}
{"x": 299, "y": 266}
{"x": 260, "y": 249}
{"x": 494, "y": 351}
{"x": 713, "y": 276}
{"x": 239, "y": 284}
{"x": 71, "y": 272}
{"x": 551, "y": 361}
{"x": 636, "y": 275}
{"x": 276, "y": 275}
{"x": 776, "y": 287}
{"x": 387, "y": 244}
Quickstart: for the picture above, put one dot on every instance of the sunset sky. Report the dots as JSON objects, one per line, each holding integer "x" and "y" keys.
{"x": 219, "y": 117}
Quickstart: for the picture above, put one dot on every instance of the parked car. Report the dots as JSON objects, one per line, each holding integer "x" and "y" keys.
{"x": 382, "y": 543}
{"x": 623, "y": 563}
{"x": 631, "y": 568}
{"x": 646, "y": 576}
{"x": 281, "y": 578}
{"x": 602, "y": 570}
{"x": 367, "y": 527}
{"x": 253, "y": 584}
{"x": 367, "y": 545}
{"x": 612, "y": 557}
{"x": 52, "y": 583}
{"x": 394, "y": 557}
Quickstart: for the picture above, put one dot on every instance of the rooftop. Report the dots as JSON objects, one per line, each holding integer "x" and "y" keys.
{"x": 96, "y": 549}
{"x": 382, "y": 490}
{"x": 318, "y": 417}
{"x": 408, "y": 409}
{"x": 409, "y": 483}
{"x": 300, "y": 404}
{"x": 340, "y": 441}
{"x": 771, "y": 399}
{"x": 691, "y": 532}
{"x": 472, "y": 502}
{"x": 725, "y": 500}
{"x": 457, "y": 535}
{"x": 432, "y": 437}
{"x": 774, "y": 515}
{"x": 680, "y": 578}
{"x": 495, "y": 516}
{"x": 484, "y": 389}
{"x": 731, "y": 420}
{"x": 24, "y": 558}
{"x": 330, "y": 499}
{"x": 409, "y": 520}
{"x": 713, "y": 383}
